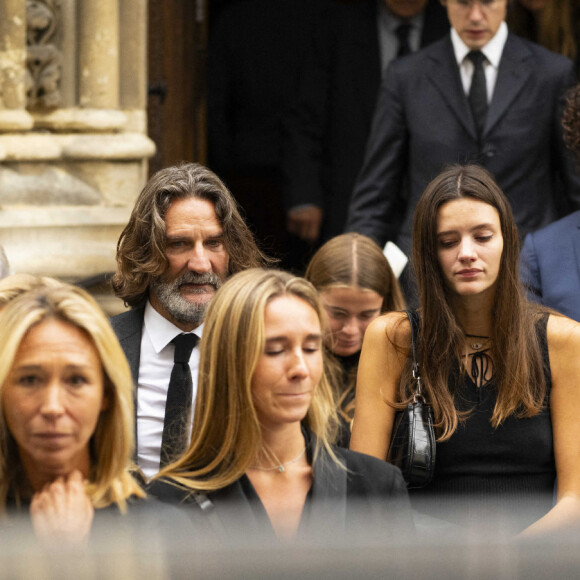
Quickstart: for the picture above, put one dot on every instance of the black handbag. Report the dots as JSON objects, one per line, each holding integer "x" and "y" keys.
{"x": 413, "y": 444}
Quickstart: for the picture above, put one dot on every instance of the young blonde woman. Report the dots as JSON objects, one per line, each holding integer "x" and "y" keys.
{"x": 264, "y": 420}
{"x": 501, "y": 374}
{"x": 66, "y": 428}
{"x": 356, "y": 285}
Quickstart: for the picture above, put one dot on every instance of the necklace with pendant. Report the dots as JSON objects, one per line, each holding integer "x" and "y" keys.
{"x": 282, "y": 467}
{"x": 478, "y": 344}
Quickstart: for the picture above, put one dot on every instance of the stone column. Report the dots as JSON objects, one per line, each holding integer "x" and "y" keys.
{"x": 99, "y": 54}
{"x": 69, "y": 80}
{"x": 133, "y": 63}
{"x": 13, "y": 116}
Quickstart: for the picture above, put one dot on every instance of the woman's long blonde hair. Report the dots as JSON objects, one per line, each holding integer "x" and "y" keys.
{"x": 227, "y": 436}
{"x": 113, "y": 440}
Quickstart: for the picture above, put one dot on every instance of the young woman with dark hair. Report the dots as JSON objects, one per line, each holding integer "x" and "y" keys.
{"x": 500, "y": 373}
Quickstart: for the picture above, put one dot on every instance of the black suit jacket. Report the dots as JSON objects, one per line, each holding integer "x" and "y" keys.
{"x": 128, "y": 327}
{"x": 326, "y": 130}
{"x": 368, "y": 501}
{"x": 423, "y": 122}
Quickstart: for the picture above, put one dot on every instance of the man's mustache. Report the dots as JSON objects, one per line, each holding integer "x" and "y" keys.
{"x": 208, "y": 278}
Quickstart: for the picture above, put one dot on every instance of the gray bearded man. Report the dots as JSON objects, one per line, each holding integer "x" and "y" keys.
{"x": 184, "y": 238}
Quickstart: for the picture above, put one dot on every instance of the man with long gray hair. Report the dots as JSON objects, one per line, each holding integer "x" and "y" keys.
{"x": 185, "y": 236}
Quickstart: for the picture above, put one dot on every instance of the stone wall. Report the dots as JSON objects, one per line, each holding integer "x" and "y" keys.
{"x": 73, "y": 142}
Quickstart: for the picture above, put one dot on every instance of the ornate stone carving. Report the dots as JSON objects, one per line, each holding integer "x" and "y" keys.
{"x": 43, "y": 62}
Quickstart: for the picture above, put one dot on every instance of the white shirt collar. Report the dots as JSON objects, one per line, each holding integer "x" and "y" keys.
{"x": 492, "y": 50}
{"x": 160, "y": 330}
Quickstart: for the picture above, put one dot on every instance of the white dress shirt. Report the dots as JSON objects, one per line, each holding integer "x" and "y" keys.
{"x": 155, "y": 366}
{"x": 492, "y": 52}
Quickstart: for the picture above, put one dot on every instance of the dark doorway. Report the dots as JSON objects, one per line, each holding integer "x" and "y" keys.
{"x": 176, "y": 108}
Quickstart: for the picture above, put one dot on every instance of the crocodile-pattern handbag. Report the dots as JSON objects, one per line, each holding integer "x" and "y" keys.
{"x": 412, "y": 446}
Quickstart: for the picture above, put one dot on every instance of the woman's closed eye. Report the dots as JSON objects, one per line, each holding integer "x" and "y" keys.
{"x": 311, "y": 348}
{"x": 275, "y": 346}
{"x": 273, "y": 351}
{"x": 481, "y": 238}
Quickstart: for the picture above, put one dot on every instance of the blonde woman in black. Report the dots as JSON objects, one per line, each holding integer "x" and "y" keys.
{"x": 261, "y": 464}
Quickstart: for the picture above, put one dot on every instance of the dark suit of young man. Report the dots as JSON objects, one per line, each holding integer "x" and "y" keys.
{"x": 423, "y": 122}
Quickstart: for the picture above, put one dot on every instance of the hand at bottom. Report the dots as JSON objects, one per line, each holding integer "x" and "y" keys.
{"x": 62, "y": 512}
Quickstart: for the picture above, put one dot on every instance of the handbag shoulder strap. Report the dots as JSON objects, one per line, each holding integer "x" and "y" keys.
{"x": 414, "y": 322}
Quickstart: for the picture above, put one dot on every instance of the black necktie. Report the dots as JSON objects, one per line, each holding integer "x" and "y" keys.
{"x": 478, "y": 91}
{"x": 179, "y": 395}
{"x": 402, "y": 32}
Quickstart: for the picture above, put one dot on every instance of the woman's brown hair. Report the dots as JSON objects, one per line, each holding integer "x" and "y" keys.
{"x": 355, "y": 260}
{"x": 518, "y": 369}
